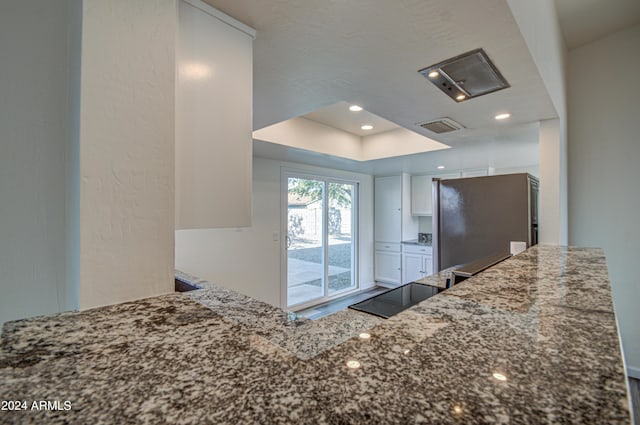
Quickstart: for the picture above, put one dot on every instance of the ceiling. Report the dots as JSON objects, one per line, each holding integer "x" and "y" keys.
{"x": 508, "y": 147}
{"x": 311, "y": 54}
{"x": 339, "y": 116}
{"x": 584, "y": 21}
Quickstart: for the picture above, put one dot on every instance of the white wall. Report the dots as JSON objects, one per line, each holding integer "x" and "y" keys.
{"x": 550, "y": 193}
{"x": 34, "y": 127}
{"x": 248, "y": 259}
{"x": 604, "y": 150}
{"x": 126, "y": 150}
{"x": 538, "y": 23}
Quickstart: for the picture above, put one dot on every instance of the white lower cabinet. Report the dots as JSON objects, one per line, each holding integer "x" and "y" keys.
{"x": 417, "y": 262}
{"x": 412, "y": 264}
{"x": 388, "y": 267}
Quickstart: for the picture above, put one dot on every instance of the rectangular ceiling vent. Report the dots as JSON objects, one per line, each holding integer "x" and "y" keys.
{"x": 444, "y": 125}
{"x": 464, "y": 77}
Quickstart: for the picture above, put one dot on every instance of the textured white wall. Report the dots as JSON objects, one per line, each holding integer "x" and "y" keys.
{"x": 604, "y": 150}
{"x": 34, "y": 127}
{"x": 127, "y": 150}
{"x": 248, "y": 259}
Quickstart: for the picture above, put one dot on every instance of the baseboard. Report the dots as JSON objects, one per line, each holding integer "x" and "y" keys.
{"x": 368, "y": 285}
{"x": 633, "y": 372}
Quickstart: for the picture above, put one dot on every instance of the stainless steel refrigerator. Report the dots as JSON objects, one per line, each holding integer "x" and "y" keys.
{"x": 478, "y": 217}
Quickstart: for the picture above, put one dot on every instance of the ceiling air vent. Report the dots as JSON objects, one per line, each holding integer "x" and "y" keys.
{"x": 444, "y": 125}
{"x": 464, "y": 77}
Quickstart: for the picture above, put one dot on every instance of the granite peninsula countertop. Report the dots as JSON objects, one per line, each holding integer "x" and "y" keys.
{"x": 531, "y": 340}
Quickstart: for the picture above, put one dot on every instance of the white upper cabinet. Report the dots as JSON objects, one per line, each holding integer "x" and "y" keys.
{"x": 421, "y": 199}
{"x": 214, "y": 107}
{"x": 393, "y": 219}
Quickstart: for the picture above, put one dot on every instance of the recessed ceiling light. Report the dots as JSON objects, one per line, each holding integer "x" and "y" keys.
{"x": 499, "y": 376}
{"x": 461, "y": 97}
{"x": 367, "y": 127}
{"x": 433, "y": 74}
{"x": 503, "y": 116}
{"x": 440, "y": 167}
{"x": 355, "y": 108}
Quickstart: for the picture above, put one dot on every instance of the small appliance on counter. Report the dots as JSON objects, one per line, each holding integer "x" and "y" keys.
{"x": 425, "y": 238}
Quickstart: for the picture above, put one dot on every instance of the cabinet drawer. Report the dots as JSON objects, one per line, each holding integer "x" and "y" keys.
{"x": 417, "y": 249}
{"x": 387, "y": 246}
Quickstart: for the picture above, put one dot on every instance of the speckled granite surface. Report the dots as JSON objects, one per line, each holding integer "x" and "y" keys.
{"x": 299, "y": 336}
{"x": 542, "y": 320}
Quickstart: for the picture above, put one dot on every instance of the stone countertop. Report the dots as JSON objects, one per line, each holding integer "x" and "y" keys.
{"x": 299, "y": 336}
{"x": 439, "y": 280}
{"x": 530, "y": 340}
{"x": 415, "y": 242}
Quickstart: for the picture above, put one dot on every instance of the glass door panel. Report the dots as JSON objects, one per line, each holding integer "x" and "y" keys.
{"x": 341, "y": 232}
{"x": 305, "y": 241}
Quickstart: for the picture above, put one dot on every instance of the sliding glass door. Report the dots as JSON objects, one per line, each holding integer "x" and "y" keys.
{"x": 340, "y": 237}
{"x": 321, "y": 238}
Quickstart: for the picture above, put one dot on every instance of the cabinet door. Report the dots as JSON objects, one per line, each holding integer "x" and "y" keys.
{"x": 213, "y": 122}
{"x": 421, "y": 198}
{"x": 427, "y": 265}
{"x": 387, "y": 267}
{"x": 412, "y": 267}
{"x": 388, "y": 202}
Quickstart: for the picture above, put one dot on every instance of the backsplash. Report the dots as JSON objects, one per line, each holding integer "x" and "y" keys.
{"x": 424, "y": 225}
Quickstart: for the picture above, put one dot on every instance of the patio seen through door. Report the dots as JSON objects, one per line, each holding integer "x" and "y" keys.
{"x": 320, "y": 240}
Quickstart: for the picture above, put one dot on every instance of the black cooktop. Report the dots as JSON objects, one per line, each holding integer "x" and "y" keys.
{"x": 395, "y": 300}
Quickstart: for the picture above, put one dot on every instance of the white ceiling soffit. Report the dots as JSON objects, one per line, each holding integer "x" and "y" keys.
{"x": 511, "y": 147}
{"x": 311, "y": 54}
{"x": 339, "y": 116}
{"x": 584, "y": 21}
{"x": 307, "y": 134}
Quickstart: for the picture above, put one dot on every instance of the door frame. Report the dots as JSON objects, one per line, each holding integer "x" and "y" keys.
{"x": 286, "y": 173}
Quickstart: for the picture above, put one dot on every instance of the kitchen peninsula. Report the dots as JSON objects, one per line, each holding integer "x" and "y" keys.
{"x": 530, "y": 340}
